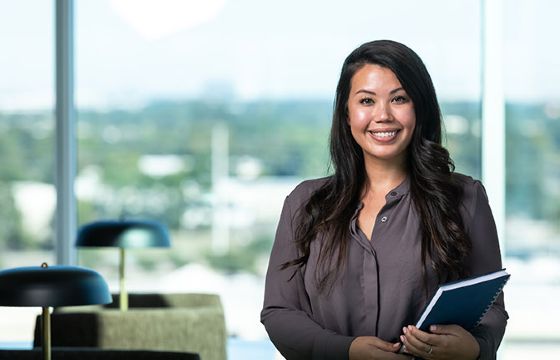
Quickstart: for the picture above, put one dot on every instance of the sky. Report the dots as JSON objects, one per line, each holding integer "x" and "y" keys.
{"x": 129, "y": 52}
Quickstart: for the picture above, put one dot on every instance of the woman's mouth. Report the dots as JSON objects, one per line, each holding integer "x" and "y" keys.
{"x": 384, "y": 136}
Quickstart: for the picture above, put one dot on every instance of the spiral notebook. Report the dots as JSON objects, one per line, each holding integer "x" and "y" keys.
{"x": 463, "y": 302}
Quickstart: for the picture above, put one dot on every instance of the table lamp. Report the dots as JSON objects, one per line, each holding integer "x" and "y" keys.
{"x": 47, "y": 286}
{"x": 123, "y": 234}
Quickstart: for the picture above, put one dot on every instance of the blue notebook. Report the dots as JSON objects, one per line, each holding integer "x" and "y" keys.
{"x": 463, "y": 302}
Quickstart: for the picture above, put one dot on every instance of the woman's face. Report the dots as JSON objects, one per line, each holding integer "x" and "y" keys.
{"x": 380, "y": 114}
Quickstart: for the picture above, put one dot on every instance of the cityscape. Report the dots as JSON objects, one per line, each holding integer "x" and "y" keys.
{"x": 217, "y": 173}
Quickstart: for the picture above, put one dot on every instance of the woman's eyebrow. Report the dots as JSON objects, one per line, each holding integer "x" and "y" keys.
{"x": 371, "y": 92}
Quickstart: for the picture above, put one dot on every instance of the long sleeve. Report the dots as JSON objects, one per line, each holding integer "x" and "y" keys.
{"x": 286, "y": 311}
{"x": 485, "y": 257}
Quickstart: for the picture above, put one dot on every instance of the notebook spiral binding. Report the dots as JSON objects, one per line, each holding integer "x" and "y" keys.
{"x": 492, "y": 302}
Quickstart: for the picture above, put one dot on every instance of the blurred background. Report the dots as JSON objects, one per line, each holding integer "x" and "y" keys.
{"x": 205, "y": 114}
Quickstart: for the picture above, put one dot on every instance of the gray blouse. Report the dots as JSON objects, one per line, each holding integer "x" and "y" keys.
{"x": 381, "y": 289}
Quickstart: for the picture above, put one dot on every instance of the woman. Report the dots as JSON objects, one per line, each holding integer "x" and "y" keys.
{"x": 358, "y": 254}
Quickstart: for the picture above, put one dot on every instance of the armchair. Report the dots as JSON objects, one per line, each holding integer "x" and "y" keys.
{"x": 162, "y": 322}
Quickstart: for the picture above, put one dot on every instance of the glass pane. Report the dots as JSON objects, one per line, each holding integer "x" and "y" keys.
{"x": 532, "y": 83}
{"x": 206, "y": 116}
{"x": 27, "y": 192}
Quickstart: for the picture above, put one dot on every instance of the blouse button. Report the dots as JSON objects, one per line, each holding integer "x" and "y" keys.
{"x": 384, "y": 219}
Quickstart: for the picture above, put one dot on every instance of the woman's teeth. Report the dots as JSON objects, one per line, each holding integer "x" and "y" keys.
{"x": 384, "y": 134}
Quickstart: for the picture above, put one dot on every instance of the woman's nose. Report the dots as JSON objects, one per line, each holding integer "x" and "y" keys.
{"x": 383, "y": 113}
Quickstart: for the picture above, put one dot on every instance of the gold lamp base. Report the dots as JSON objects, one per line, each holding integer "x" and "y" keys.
{"x": 46, "y": 328}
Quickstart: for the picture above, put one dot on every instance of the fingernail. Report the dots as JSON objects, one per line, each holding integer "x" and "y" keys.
{"x": 396, "y": 345}
{"x": 402, "y": 338}
{"x": 410, "y": 327}
{"x": 404, "y": 329}
{"x": 433, "y": 328}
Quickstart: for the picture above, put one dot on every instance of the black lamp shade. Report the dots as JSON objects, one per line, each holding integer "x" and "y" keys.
{"x": 123, "y": 234}
{"x": 52, "y": 286}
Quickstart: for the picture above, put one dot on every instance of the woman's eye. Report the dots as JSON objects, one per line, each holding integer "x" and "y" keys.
{"x": 366, "y": 101}
{"x": 400, "y": 99}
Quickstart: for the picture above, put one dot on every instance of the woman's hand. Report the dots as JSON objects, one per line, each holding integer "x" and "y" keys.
{"x": 373, "y": 348}
{"x": 444, "y": 342}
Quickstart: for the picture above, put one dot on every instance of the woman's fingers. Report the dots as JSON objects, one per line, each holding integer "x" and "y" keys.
{"x": 417, "y": 342}
{"x": 423, "y": 336}
{"x": 384, "y": 345}
{"x": 370, "y": 347}
{"x": 446, "y": 329}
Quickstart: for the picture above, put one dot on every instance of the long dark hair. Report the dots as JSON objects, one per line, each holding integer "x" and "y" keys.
{"x": 434, "y": 191}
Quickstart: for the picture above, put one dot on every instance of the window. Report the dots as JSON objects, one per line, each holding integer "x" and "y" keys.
{"x": 532, "y": 244}
{"x": 27, "y": 192}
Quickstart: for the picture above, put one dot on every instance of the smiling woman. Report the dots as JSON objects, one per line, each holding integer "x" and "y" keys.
{"x": 358, "y": 254}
